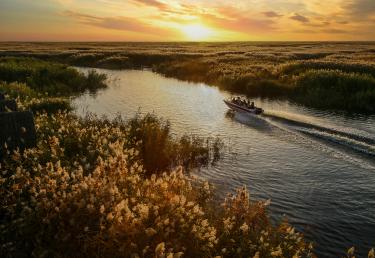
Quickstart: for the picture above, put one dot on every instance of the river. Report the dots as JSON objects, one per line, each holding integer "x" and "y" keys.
{"x": 317, "y": 167}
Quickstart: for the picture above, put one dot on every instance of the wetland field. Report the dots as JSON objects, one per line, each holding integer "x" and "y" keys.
{"x": 137, "y": 155}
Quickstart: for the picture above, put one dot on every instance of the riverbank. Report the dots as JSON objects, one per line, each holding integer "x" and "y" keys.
{"x": 338, "y": 76}
{"x": 97, "y": 187}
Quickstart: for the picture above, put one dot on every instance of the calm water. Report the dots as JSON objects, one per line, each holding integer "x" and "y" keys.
{"x": 318, "y": 168}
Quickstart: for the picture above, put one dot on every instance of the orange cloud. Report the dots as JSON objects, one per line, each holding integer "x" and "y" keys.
{"x": 153, "y": 3}
{"x": 233, "y": 19}
{"x": 118, "y": 23}
{"x": 300, "y": 18}
{"x": 272, "y": 14}
{"x": 160, "y": 20}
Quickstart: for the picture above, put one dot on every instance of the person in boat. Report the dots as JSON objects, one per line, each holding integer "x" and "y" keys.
{"x": 252, "y": 105}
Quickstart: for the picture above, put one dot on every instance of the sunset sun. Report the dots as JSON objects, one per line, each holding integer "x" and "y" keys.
{"x": 197, "y": 32}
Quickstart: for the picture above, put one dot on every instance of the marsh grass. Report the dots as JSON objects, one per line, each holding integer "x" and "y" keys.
{"x": 110, "y": 188}
{"x": 349, "y": 67}
{"x": 47, "y": 77}
{"x": 29, "y": 99}
{"x": 42, "y": 86}
{"x": 49, "y": 105}
{"x": 84, "y": 192}
{"x": 269, "y": 70}
{"x": 337, "y": 89}
{"x": 160, "y": 151}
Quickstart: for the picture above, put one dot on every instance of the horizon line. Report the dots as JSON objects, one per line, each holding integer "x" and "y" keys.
{"x": 229, "y": 41}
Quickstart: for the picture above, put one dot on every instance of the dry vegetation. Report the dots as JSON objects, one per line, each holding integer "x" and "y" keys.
{"x": 84, "y": 192}
{"x": 323, "y": 75}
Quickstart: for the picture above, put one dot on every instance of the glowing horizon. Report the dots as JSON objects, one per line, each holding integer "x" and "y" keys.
{"x": 187, "y": 20}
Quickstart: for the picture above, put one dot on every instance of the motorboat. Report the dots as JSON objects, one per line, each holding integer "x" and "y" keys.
{"x": 242, "y": 105}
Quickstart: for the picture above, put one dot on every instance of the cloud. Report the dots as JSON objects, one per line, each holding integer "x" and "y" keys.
{"x": 360, "y": 8}
{"x": 272, "y": 14}
{"x": 153, "y": 3}
{"x": 328, "y": 31}
{"x": 233, "y": 19}
{"x": 334, "y": 31}
{"x": 164, "y": 7}
{"x": 117, "y": 23}
{"x": 321, "y": 24}
{"x": 300, "y": 18}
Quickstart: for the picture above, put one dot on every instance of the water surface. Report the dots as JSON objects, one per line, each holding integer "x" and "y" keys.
{"x": 317, "y": 167}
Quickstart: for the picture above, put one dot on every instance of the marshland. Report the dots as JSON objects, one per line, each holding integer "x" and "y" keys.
{"x": 337, "y": 76}
{"x": 137, "y": 155}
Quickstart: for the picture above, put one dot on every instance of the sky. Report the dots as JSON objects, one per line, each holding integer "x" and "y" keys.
{"x": 186, "y": 20}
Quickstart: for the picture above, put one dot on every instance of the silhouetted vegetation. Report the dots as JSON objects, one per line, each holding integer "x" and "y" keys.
{"x": 160, "y": 151}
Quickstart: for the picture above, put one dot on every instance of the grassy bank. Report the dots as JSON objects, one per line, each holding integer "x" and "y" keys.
{"x": 271, "y": 70}
{"x": 49, "y": 78}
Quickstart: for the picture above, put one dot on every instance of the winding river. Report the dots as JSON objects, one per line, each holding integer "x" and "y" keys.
{"x": 317, "y": 167}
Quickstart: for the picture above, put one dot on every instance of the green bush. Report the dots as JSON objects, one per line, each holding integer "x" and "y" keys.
{"x": 49, "y": 105}
{"x": 46, "y": 77}
{"x": 15, "y": 90}
{"x": 28, "y": 99}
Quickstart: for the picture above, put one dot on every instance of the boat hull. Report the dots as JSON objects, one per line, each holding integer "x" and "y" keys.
{"x": 239, "y": 108}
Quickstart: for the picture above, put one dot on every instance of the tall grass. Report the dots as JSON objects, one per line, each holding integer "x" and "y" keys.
{"x": 47, "y": 77}
{"x": 83, "y": 193}
{"x": 160, "y": 151}
{"x": 337, "y": 89}
{"x": 44, "y": 86}
{"x": 29, "y": 99}
{"x": 348, "y": 66}
{"x": 256, "y": 69}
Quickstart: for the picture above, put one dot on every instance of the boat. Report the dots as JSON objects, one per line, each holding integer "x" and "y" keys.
{"x": 237, "y": 104}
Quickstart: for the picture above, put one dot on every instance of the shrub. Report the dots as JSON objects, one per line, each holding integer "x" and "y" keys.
{"x": 15, "y": 90}
{"x": 28, "y": 99}
{"x": 49, "y": 105}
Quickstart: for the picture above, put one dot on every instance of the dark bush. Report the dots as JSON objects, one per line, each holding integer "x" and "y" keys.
{"x": 159, "y": 150}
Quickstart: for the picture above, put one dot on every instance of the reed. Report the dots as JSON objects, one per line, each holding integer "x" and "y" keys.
{"x": 84, "y": 192}
{"x": 47, "y": 77}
